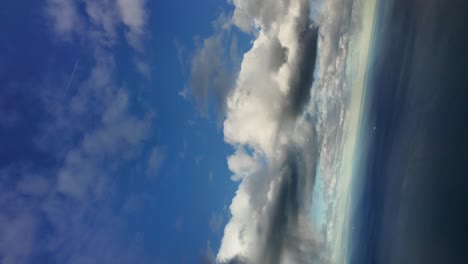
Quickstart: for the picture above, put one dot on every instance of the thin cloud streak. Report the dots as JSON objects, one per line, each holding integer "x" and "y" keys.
{"x": 72, "y": 74}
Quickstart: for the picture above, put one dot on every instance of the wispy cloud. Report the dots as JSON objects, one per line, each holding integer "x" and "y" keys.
{"x": 63, "y": 209}
{"x": 102, "y": 23}
{"x": 214, "y": 67}
{"x": 155, "y": 161}
{"x": 64, "y": 17}
{"x": 133, "y": 14}
{"x": 216, "y": 222}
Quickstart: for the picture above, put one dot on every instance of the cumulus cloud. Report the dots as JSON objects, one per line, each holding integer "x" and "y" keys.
{"x": 243, "y": 164}
{"x": 284, "y": 117}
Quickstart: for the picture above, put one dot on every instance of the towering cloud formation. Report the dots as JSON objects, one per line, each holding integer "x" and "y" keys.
{"x": 265, "y": 113}
{"x": 282, "y": 124}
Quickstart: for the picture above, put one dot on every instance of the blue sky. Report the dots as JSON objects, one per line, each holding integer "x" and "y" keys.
{"x": 102, "y": 159}
{"x": 135, "y": 131}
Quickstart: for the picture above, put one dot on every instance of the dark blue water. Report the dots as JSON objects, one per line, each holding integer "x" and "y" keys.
{"x": 414, "y": 203}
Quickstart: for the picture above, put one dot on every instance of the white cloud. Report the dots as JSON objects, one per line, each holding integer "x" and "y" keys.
{"x": 288, "y": 126}
{"x": 63, "y": 15}
{"x": 83, "y": 165}
{"x": 143, "y": 68}
{"x": 133, "y": 14}
{"x": 17, "y": 237}
{"x": 216, "y": 222}
{"x": 240, "y": 236}
{"x": 243, "y": 164}
{"x": 102, "y": 22}
{"x": 212, "y": 74}
{"x": 210, "y": 177}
